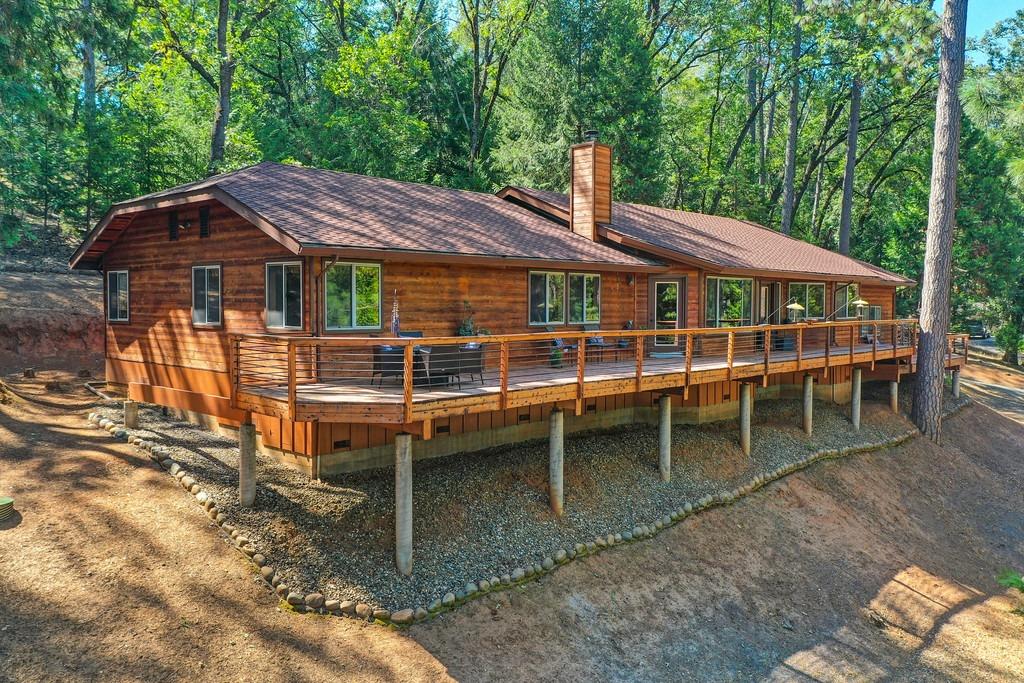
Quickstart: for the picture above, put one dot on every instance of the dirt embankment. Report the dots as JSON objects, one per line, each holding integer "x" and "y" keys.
{"x": 50, "y": 318}
{"x": 874, "y": 567}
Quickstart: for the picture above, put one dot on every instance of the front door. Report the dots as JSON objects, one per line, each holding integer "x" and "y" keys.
{"x": 668, "y": 302}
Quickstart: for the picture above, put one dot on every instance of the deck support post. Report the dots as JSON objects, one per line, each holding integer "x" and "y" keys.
{"x": 131, "y": 414}
{"x": 745, "y": 411}
{"x": 855, "y": 398}
{"x": 403, "y": 503}
{"x": 665, "y": 437}
{"x": 894, "y": 396}
{"x": 955, "y": 383}
{"x": 808, "y": 404}
{"x": 556, "y": 456}
{"x": 247, "y": 464}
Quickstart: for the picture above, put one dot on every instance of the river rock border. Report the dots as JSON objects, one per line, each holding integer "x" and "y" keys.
{"x": 318, "y": 603}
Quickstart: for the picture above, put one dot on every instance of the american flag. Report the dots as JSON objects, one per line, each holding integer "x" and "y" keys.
{"x": 396, "y": 323}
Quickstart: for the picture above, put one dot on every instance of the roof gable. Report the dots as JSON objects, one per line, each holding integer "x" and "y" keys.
{"x": 310, "y": 209}
{"x": 718, "y": 242}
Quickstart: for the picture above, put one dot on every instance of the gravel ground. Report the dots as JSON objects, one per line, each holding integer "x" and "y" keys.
{"x": 484, "y": 514}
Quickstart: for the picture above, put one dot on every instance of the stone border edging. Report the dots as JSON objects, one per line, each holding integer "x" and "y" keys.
{"x": 317, "y": 603}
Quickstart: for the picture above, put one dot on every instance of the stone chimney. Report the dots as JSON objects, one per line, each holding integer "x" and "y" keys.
{"x": 590, "y": 186}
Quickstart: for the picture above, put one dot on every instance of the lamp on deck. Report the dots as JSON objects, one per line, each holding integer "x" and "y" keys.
{"x": 790, "y": 304}
{"x": 795, "y": 309}
{"x": 859, "y": 303}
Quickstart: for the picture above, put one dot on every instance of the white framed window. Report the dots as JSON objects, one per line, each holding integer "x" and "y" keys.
{"x": 728, "y": 301}
{"x": 284, "y": 295}
{"x": 584, "y": 298}
{"x": 844, "y": 294}
{"x": 810, "y": 295}
{"x": 352, "y": 296}
{"x": 206, "y": 295}
{"x": 117, "y": 296}
{"x": 547, "y": 298}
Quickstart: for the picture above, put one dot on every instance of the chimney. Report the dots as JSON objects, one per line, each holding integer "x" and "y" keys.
{"x": 590, "y": 185}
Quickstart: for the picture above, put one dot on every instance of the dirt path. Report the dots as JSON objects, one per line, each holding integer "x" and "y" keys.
{"x": 111, "y": 573}
{"x": 878, "y": 566}
{"x": 998, "y": 386}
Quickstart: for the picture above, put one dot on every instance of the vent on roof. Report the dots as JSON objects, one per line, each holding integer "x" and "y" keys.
{"x": 204, "y": 221}
{"x": 172, "y": 226}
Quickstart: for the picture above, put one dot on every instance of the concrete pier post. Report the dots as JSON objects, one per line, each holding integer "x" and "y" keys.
{"x": 665, "y": 437}
{"x": 556, "y": 456}
{"x": 894, "y": 397}
{"x": 808, "y": 404}
{"x": 745, "y": 411}
{"x": 403, "y": 503}
{"x": 131, "y": 415}
{"x": 247, "y": 464}
{"x": 956, "y": 383}
{"x": 855, "y": 398}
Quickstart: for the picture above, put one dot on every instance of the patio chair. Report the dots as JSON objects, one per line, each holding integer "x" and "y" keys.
{"x": 445, "y": 364}
{"x": 388, "y": 361}
{"x": 598, "y": 344}
{"x": 471, "y": 358}
{"x": 568, "y": 350}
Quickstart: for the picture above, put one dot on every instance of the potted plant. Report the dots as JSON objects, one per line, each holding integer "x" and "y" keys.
{"x": 556, "y": 357}
{"x": 468, "y": 328}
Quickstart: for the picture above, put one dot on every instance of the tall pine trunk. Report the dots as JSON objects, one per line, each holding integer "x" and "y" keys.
{"x": 227, "y": 74}
{"x": 853, "y": 130}
{"x": 927, "y": 411}
{"x": 88, "y": 105}
{"x": 789, "y": 174}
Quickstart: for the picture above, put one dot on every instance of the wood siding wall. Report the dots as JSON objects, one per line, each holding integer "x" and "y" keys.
{"x": 160, "y": 346}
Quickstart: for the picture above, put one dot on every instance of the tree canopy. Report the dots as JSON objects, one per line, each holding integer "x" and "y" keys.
{"x": 101, "y": 100}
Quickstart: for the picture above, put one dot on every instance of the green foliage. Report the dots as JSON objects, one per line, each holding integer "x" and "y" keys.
{"x": 693, "y": 96}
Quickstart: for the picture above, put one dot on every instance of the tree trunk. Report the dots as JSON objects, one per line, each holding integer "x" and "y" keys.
{"x": 88, "y": 104}
{"x": 794, "y": 125}
{"x": 927, "y": 411}
{"x": 846, "y": 212}
{"x": 227, "y": 73}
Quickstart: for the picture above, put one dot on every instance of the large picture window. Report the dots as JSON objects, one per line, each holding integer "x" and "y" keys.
{"x": 557, "y": 298}
{"x": 810, "y": 295}
{"x": 117, "y": 296}
{"x": 842, "y": 298}
{"x": 284, "y": 295}
{"x": 352, "y": 296}
{"x": 206, "y": 297}
{"x": 728, "y": 302}
{"x": 547, "y": 298}
{"x": 584, "y": 298}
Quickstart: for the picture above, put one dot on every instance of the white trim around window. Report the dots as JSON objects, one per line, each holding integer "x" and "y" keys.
{"x": 716, "y": 319}
{"x": 279, "y": 319}
{"x": 118, "y": 297}
{"x": 361, "y": 315}
{"x": 547, "y": 305}
{"x": 589, "y": 280}
{"x": 805, "y": 301}
{"x": 208, "y": 308}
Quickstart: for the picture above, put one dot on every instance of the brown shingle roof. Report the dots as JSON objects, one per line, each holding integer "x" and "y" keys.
{"x": 727, "y": 243}
{"x": 320, "y": 208}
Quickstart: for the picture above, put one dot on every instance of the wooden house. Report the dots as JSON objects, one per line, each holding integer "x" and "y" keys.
{"x": 268, "y": 299}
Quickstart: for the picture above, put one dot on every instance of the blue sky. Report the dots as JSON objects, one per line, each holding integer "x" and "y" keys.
{"x": 983, "y": 14}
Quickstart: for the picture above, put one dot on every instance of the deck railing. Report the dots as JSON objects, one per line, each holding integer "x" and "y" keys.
{"x": 402, "y": 368}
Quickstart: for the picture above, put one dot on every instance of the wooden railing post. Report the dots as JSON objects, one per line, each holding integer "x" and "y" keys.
{"x": 503, "y": 374}
{"x": 233, "y": 352}
{"x": 292, "y": 380}
{"x": 407, "y": 377}
{"x": 967, "y": 343}
{"x": 581, "y": 355}
{"x": 767, "y": 351}
{"x": 895, "y": 328}
{"x": 689, "y": 365}
{"x": 874, "y": 345}
{"x": 639, "y": 341}
{"x": 799, "y": 347}
{"x": 730, "y": 349}
{"x": 852, "y": 329}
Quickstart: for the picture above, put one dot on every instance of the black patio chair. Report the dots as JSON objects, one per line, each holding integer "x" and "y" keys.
{"x": 388, "y": 361}
{"x": 471, "y": 357}
{"x": 598, "y": 344}
{"x": 445, "y": 364}
{"x": 568, "y": 350}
